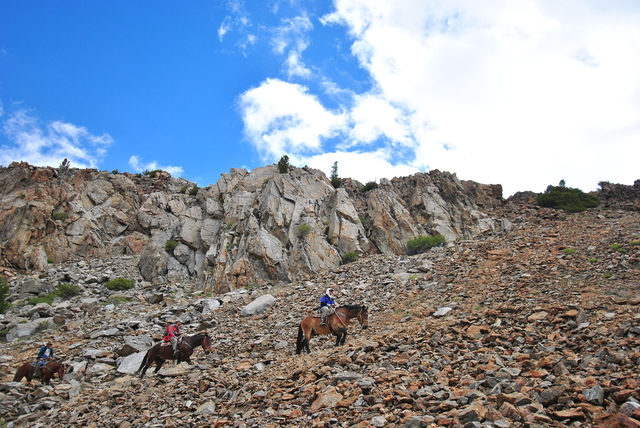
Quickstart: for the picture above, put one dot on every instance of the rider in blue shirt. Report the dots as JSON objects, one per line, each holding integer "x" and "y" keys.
{"x": 45, "y": 353}
{"x": 327, "y": 305}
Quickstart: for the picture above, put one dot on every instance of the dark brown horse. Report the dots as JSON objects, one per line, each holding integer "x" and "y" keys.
{"x": 47, "y": 372}
{"x": 336, "y": 324}
{"x": 162, "y": 351}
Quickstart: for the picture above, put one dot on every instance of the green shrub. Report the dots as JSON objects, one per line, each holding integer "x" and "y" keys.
{"x": 117, "y": 300}
{"x": 4, "y": 292}
{"x": 193, "y": 191}
{"x": 152, "y": 174}
{"x": 68, "y": 290}
{"x": 63, "y": 291}
{"x": 303, "y": 230}
{"x": 567, "y": 199}
{"x": 424, "y": 243}
{"x": 569, "y": 251}
{"x": 364, "y": 219}
{"x": 619, "y": 248}
{"x": 349, "y": 257}
{"x": 119, "y": 284}
{"x": 593, "y": 260}
{"x": 336, "y": 182}
{"x": 48, "y": 299}
{"x": 183, "y": 189}
{"x": 283, "y": 165}
{"x": 634, "y": 242}
{"x": 369, "y": 186}
{"x": 42, "y": 326}
{"x": 62, "y": 216}
{"x": 170, "y": 245}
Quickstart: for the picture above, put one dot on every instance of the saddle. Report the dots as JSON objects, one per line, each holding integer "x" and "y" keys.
{"x": 169, "y": 343}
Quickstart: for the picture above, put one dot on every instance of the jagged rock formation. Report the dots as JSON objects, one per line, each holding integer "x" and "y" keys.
{"x": 258, "y": 227}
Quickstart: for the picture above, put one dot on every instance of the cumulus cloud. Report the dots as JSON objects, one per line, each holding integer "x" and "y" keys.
{"x": 138, "y": 166}
{"x": 283, "y": 118}
{"x": 48, "y": 144}
{"x": 362, "y": 166}
{"x": 521, "y": 94}
{"x": 513, "y": 94}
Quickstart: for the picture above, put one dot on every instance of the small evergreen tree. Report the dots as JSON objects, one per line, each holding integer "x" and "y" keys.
{"x": 283, "y": 164}
{"x": 64, "y": 165}
{"x": 335, "y": 180}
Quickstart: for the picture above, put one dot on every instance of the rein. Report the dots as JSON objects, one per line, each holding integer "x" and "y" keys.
{"x": 190, "y": 337}
{"x": 342, "y": 315}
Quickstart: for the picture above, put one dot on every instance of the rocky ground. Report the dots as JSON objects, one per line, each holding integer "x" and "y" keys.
{"x": 538, "y": 326}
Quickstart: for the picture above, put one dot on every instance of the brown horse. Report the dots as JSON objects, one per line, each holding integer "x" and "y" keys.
{"x": 162, "y": 351}
{"x": 336, "y": 324}
{"x": 47, "y": 372}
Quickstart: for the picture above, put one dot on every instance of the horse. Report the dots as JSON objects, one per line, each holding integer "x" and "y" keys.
{"x": 162, "y": 351}
{"x": 47, "y": 372}
{"x": 336, "y": 325}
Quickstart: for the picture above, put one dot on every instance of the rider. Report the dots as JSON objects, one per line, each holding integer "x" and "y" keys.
{"x": 44, "y": 355}
{"x": 327, "y": 305}
{"x": 171, "y": 334}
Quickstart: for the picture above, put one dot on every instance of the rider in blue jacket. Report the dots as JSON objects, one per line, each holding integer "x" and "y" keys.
{"x": 45, "y": 353}
{"x": 327, "y": 305}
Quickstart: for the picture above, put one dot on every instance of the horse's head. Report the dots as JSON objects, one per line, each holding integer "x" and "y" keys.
{"x": 56, "y": 367}
{"x": 206, "y": 343}
{"x": 363, "y": 317}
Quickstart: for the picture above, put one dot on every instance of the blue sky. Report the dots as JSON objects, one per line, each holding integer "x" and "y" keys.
{"x": 522, "y": 94}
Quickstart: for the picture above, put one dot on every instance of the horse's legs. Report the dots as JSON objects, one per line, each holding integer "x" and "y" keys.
{"x": 341, "y": 335}
{"x": 31, "y": 374}
{"x": 159, "y": 362}
{"x": 307, "y": 338}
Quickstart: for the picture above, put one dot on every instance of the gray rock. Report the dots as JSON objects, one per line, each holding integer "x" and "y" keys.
{"x": 259, "y": 305}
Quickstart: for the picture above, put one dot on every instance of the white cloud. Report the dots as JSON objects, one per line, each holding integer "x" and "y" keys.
{"x": 48, "y": 144}
{"x": 361, "y": 166}
{"x": 291, "y": 39}
{"x": 521, "y": 94}
{"x": 374, "y": 117}
{"x": 283, "y": 118}
{"x": 224, "y": 28}
{"x": 138, "y": 166}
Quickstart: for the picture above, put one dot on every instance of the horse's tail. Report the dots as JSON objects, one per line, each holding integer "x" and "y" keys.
{"x": 18, "y": 376}
{"x": 300, "y": 340}
{"x": 144, "y": 362}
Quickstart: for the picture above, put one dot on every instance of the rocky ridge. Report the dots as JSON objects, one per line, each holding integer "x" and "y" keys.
{"x": 534, "y": 324}
{"x": 250, "y": 228}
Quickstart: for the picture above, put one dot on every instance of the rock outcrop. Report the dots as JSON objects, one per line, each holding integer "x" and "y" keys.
{"x": 250, "y": 228}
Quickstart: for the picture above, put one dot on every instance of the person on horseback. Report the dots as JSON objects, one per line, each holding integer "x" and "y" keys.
{"x": 172, "y": 334}
{"x": 44, "y": 355}
{"x": 327, "y": 306}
